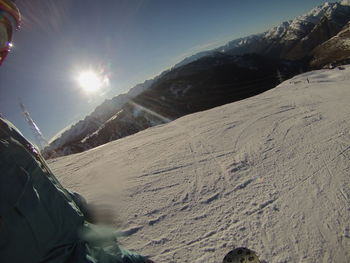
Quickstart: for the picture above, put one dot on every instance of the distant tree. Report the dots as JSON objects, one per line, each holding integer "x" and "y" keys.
{"x": 280, "y": 77}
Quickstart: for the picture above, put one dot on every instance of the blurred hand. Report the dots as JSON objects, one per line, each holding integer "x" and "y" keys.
{"x": 101, "y": 214}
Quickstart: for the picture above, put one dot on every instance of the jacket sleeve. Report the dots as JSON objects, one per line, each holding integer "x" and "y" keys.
{"x": 131, "y": 257}
{"x": 83, "y": 206}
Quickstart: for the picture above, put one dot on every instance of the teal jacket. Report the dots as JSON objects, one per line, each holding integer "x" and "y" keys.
{"x": 39, "y": 220}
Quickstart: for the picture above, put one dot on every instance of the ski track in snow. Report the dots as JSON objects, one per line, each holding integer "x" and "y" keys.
{"x": 270, "y": 172}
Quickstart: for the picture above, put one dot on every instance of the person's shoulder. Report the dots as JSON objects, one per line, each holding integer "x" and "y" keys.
{"x": 8, "y": 127}
{"x": 9, "y": 131}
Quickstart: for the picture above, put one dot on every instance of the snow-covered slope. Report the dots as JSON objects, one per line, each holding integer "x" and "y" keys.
{"x": 270, "y": 172}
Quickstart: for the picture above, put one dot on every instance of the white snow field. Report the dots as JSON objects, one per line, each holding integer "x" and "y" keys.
{"x": 271, "y": 172}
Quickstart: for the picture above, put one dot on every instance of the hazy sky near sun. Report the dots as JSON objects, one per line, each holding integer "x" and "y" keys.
{"x": 129, "y": 40}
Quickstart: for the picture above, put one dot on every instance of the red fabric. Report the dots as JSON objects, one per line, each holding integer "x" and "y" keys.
{"x": 3, "y": 54}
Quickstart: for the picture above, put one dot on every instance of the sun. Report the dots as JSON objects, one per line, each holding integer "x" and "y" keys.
{"x": 90, "y": 81}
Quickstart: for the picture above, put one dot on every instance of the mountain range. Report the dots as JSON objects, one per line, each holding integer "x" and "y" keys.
{"x": 240, "y": 69}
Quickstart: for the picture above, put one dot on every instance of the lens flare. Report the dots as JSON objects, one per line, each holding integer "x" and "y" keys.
{"x": 90, "y": 81}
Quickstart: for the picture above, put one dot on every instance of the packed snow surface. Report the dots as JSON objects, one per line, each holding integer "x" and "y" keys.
{"x": 270, "y": 172}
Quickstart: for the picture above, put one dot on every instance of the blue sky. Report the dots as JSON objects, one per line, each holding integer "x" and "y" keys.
{"x": 130, "y": 40}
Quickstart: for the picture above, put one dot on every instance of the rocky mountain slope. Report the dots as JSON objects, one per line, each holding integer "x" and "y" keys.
{"x": 69, "y": 140}
{"x": 335, "y": 51}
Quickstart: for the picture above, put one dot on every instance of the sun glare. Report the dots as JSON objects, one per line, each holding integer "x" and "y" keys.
{"x": 90, "y": 81}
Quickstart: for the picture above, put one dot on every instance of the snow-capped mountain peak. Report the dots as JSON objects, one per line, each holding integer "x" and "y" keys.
{"x": 286, "y": 32}
{"x": 278, "y": 31}
{"x": 315, "y": 15}
{"x": 298, "y": 27}
{"x": 240, "y": 42}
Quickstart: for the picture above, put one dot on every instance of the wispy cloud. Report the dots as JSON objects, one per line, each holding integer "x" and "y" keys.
{"x": 196, "y": 49}
{"x": 202, "y": 47}
{"x": 191, "y": 51}
{"x": 48, "y": 15}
